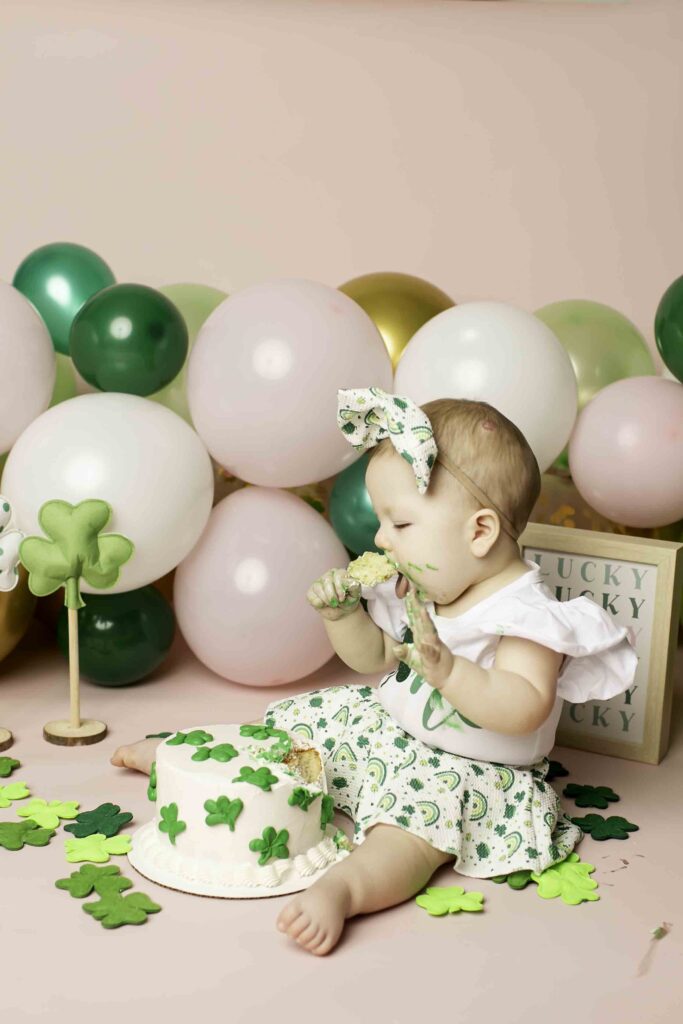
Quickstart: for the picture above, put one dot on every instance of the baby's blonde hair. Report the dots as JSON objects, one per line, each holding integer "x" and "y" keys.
{"x": 489, "y": 447}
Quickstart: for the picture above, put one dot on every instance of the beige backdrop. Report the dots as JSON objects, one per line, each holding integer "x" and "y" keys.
{"x": 526, "y": 152}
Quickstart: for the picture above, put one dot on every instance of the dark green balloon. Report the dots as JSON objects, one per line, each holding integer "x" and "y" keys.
{"x": 129, "y": 338}
{"x": 121, "y": 637}
{"x": 351, "y": 511}
{"x": 669, "y": 327}
{"x": 58, "y": 279}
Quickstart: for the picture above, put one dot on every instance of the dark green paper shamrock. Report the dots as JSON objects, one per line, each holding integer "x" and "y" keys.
{"x": 113, "y": 910}
{"x": 273, "y": 844}
{"x": 261, "y": 777}
{"x": 105, "y": 819}
{"x": 516, "y": 879}
{"x": 590, "y": 796}
{"x": 152, "y": 787}
{"x": 223, "y": 811}
{"x": 556, "y": 770}
{"x": 16, "y": 834}
{"x": 89, "y": 877}
{"x": 74, "y": 550}
{"x": 7, "y": 766}
{"x": 605, "y": 828}
{"x": 302, "y": 797}
{"x": 169, "y": 822}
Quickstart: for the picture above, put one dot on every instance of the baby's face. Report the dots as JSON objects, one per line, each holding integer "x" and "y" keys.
{"x": 425, "y": 534}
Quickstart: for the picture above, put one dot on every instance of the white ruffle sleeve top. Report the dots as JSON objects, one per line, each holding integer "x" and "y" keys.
{"x": 600, "y": 662}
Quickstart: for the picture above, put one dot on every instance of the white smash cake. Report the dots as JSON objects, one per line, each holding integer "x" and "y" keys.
{"x": 242, "y": 810}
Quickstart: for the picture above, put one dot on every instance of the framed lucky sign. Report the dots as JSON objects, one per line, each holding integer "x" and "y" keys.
{"x": 638, "y": 581}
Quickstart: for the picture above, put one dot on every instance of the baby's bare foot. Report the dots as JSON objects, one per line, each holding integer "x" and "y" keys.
{"x": 137, "y": 755}
{"x": 315, "y": 918}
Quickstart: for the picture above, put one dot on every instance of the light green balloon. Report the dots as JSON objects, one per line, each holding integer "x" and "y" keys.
{"x": 65, "y": 381}
{"x": 195, "y": 302}
{"x": 602, "y": 344}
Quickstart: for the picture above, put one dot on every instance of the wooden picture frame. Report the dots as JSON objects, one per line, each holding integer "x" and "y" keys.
{"x": 639, "y": 581}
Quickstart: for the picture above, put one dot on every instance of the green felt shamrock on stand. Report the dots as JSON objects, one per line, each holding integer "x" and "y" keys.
{"x": 75, "y": 549}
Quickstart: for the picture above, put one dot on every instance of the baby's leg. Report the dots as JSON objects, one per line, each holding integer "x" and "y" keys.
{"x": 388, "y": 867}
{"x": 138, "y": 755}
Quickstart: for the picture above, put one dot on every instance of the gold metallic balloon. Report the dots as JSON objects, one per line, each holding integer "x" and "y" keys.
{"x": 16, "y": 611}
{"x": 399, "y": 304}
{"x": 316, "y": 494}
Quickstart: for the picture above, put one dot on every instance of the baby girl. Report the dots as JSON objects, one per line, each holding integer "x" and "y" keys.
{"x": 445, "y": 761}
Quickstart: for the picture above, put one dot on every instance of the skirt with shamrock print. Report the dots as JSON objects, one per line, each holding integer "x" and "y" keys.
{"x": 493, "y": 818}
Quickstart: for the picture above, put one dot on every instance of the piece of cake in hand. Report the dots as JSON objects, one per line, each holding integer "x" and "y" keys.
{"x": 371, "y": 568}
{"x": 242, "y": 810}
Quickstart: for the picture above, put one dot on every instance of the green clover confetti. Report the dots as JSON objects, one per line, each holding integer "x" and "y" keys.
{"x": 590, "y": 796}
{"x": 223, "y": 811}
{"x": 46, "y": 814}
{"x": 13, "y": 791}
{"x": 170, "y": 823}
{"x": 273, "y": 844}
{"x": 15, "y": 834}
{"x": 601, "y": 828}
{"x": 96, "y": 848}
{"x": 569, "y": 880}
{"x": 516, "y": 879}
{"x": 451, "y": 899}
{"x": 90, "y": 878}
{"x": 114, "y": 910}
{"x": 105, "y": 819}
{"x": 7, "y": 766}
{"x": 222, "y": 752}
{"x": 74, "y": 550}
{"x": 261, "y": 777}
{"x": 152, "y": 787}
{"x": 302, "y": 797}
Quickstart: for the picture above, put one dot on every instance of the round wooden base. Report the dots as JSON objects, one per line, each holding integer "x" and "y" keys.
{"x": 64, "y": 734}
{"x": 6, "y": 739}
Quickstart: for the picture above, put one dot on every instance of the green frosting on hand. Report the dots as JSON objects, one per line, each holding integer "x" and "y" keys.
{"x": 105, "y": 819}
{"x": 590, "y": 796}
{"x": 88, "y": 878}
{"x": 568, "y": 879}
{"x": 170, "y": 823}
{"x": 152, "y": 787}
{"x": 601, "y": 828}
{"x": 48, "y": 815}
{"x": 326, "y": 810}
{"x": 7, "y": 766}
{"x": 273, "y": 844}
{"x": 96, "y": 848}
{"x": 516, "y": 879}
{"x": 113, "y": 910}
{"x": 261, "y": 777}
{"x": 15, "y": 834}
{"x": 196, "y": 738}
{"x": 440, "y": 900}
{"x": 223, "y": 811}
{"x": 74, "y": 550}
{"x": 302, "y": 797}
{"x": 13, "y": 791}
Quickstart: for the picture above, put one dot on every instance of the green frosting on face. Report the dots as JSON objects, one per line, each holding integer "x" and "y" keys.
{"x": 222, "y": 752}
{"x": 152, "y": 788}
{"x": 261, "y": 777}
{"x": 196, "y": 738}
{"x": 223, "y": 811}
{"x": 302, "y": 797}
{"x": 272, "y": 844}
{"x": 326, "y": 810}
{"x": 170, "y": 823}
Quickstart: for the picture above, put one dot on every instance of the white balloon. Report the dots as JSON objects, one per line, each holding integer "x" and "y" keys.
{"x": 28, "y": 365}
{"x": 496, "y": 353}
{"x": 139, "y": 456}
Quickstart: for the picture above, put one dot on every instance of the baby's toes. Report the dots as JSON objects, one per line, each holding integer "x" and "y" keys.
{"x": 292, "y": 919}
{"x": 308, "y": 936}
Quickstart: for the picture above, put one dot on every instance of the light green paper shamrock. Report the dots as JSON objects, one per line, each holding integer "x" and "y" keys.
{"x": 13, "y": 791}
{"x": 568, "y": 879}
{"x": 96, "y": 848}
{"x": 113, "y": 910}
{"x": 46, "y": 814}
{"x": 272, "y": 844}
{"x": 74, "y": 550}
{"x": 451, "y": 899}
{"x": 88, "y": 878}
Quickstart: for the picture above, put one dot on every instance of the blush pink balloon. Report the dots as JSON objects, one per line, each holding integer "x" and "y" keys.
{"x": 626, "y": 451}
{"x": 240, "y": 595}
{"x": 263, "y": 377}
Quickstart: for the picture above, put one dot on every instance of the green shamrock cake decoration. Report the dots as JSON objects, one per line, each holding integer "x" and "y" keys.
{"x": 152, "y": 787}
{"x": 261, "y": 777}
{"x": 272, "y": 844}
{"x": 196, "y": 738}
{"x": 222, "y": 752}
{"x": 170, "y": 824}
{"x": 223, "y": 811}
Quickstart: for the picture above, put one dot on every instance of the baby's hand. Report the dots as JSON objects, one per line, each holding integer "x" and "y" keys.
{"x": 428, "y": 655}
{"x": 335, "y": 595}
